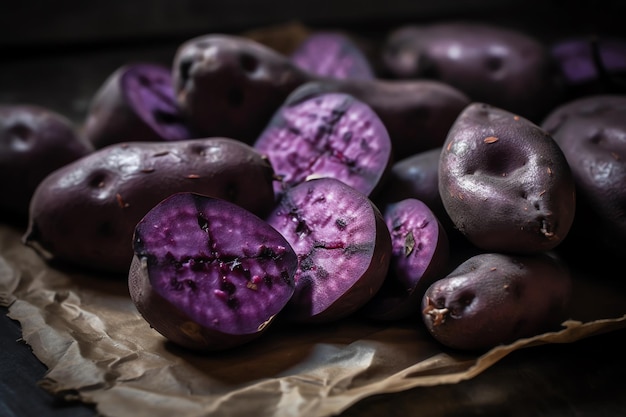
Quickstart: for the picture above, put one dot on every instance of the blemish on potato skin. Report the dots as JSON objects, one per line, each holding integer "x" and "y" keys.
{"x": 121, "y": 202}
{"x": 491, "y": 139}
{"x": 437, "y": 315}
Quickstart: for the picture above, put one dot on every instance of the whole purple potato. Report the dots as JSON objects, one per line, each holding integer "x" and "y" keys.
{"x": 419, "y": 257}
{"x": 136, "y": 103}
{"x": 500, "y": 66}
{"x": 416, "y": 113}
{"x": 333, "y": 54}
{"x": 591, "y": 131}
{"x": 492, "y": 299}
{"x": 343, "y": 248}
{"x": 231, "y": 86}
{"x": 416, "y": 176}
{"x": 85, "y": 212}
{"x": 208, "y": 274}
{"x": 34, "y": 141}
{"x": 505, "y": 182}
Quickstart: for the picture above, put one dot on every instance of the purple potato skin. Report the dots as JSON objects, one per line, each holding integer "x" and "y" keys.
{"x": 591, "y": 65}
{"x": 417, "y": 113}
{"x": 135, "y": 103}
{"x": 500, "y": 66}
{"x": 505, "y": 182}
{"x": 420, "y": 256}
{"x": 85, "y": 213}
{"x": 34, "y": 141}
{"x": 591, "y": 131}
{"x": 229, "y": 85}
{"x": 416, "y": 176}
{"x": 343, "y": 247}
{"x": 332, "y": 54}
{"x": 215, "y": 299}
{"x": 493, "y": 298}
{"x": 330, "y": 135}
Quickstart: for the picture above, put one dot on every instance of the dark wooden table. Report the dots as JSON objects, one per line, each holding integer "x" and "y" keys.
{"x": 46, "y": 62}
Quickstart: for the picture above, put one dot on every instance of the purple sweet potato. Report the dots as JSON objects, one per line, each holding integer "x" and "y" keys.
{"x": 208, "y": 274}
{"x": 591, "y": 131}
{"x": 34, "y": 141}
{"x": 505, "y": 182}
{"x": 420, "y": 255}
{"x": 492, "y": 299}
{"x": 332, "y": 54}
{"x": 136, "y": 103}
{"x": 416, "y": 113}
{"x": 230, "y": 86}
{"x": 494, "y": 64}
{"x": 329, "y": 135}
{"x": 85, "y": 212}
{"x": 343, "y": 248}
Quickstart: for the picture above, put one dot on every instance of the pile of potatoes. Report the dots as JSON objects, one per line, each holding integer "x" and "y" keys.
{"x": 243, "y": 185}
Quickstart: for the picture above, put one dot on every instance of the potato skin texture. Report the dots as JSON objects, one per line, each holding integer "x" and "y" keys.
{"x": 492, "y": 299}
{"x": 591, "y": 132}
{"x": 229, "y": 85}
{"x": 85, "y": 212}
{"x": 505, "y": 182}
{"x": 34, "y": 141}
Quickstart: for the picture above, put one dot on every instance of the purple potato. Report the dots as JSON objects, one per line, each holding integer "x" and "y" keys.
{"x": 591, "y": 65}
{"x": 416, "y": 113}
{"x": 85, "y": 212}
{"x": 34, "y": 141}
{"x": 136, "y": 103}
{"x": 416, "y": 176}
{"x": 329, "y": 135}
{"x": 208, "y": 274}
{"x": 591, "y": 131}
{"x": 332, "y": 54}
{"x": 419, "y": 257}
{"x": 343, "y": 248}
{"x": 505, "y": 182}
{"x": 492, "y": 299}
{"x": 500, "y": 66}
{"x": 230, "y": 86}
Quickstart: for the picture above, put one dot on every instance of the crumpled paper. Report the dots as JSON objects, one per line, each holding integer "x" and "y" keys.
{"x": 100, "y": 350}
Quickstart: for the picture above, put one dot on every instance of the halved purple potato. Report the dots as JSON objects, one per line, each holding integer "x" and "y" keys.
{"x": 328, "y": 135}
{"x": 416, "y": 113}
{"x": 34, "y": 141}
{"x": 343, "y": 248}
{"x": 492, "y": 299}
{"x": 494, "y": 64}
{"x": 591, "y": 131}
{"x": 136, "y": 103}
{"x": 231, "y": 86}
{"x": 591, "y": 65}
{"x": 332, "y": 54}
{"x": 85, "y": 212}
{"x": 505, "y": 182}
{"x": 419, "y": 257}
{"x": 208, "y": 274}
